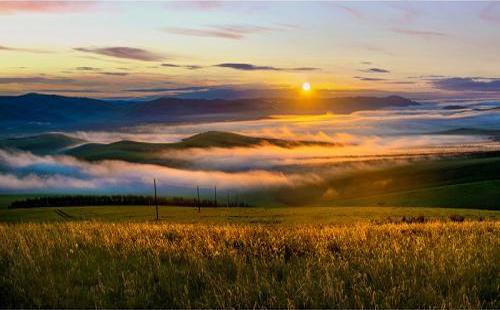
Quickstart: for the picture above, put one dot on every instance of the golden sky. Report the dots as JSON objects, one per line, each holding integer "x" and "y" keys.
{"x": 129, "y": 49}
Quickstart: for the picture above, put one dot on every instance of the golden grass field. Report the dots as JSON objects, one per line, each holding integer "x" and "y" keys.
{"x": 109, "y": 265}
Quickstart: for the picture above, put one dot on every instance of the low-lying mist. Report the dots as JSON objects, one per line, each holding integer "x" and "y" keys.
{"x": 370, "y": 139}
{"x": 27, "y": 172}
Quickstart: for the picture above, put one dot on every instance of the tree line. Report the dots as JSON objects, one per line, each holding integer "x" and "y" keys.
{"x": 120, "y": 200}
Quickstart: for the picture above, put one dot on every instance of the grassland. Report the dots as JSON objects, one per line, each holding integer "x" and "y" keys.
{"x": 254, "y": 215}
{"x": 463, "y": 182}
{"x": 94, "y": 264}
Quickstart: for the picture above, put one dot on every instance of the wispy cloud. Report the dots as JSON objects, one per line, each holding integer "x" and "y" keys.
{"x": 241, "y": 66}
{"x": 234, "y": 32}
{"x": 427, "y": 76}
{"x": 198, "y": 5}
{"x": 407, "y": 12}
{"x": 251, "y": 67}
{"x": 404, "y": 13}
{"x": 114, "y": 73}
{"x": 165, "y": 89}
{"x": 375, "y": 49}
{"x": 85, "y": 90}
{"x": 204, "y": 33}
{"x": 17, "y": 49}
{"x": 402, "y": 82}
{"x": 34, "y": 80}
{"x": 419, "y": 33}
{"x": 245, "y": 67}
{"x": 36, "y": 6}
{"x": 123, "y": 52}
{"x": 362, "y": 78}
{"x": 491, "y": 12}
{"x": 190, "y": 67}
{"x": 467, "y": 84}
{"x": 375, "y": 70}
{"x": 350, "y": 11}
{"x": 87, "y": 68}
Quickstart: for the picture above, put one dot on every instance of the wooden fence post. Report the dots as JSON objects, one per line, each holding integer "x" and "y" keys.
{"x": 199, "y": 202}
{"x": 215, "y": 196}
{"x": 156, "y": 200}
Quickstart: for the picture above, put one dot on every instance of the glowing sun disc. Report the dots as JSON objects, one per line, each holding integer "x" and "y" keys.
{"x": 306, "y": 86}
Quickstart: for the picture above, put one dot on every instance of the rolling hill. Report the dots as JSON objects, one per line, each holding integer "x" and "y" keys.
{"x": 142, "y": 152}
{"x": 148, "y": 152}
{"x": 43, "y": 144}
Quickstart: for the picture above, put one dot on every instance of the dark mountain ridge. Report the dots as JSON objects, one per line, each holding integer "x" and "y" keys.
{"x": 39, "y": 112}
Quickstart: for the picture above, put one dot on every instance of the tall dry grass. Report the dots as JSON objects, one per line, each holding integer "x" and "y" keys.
{"x": 90, "y": 264}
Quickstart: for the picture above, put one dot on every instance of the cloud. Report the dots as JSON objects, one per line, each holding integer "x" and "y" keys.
{"x": 17, "y": 49}
{"x": 375, "y": 70}
{"x": 114, "y": 73}
{"x": 361, "y": 78}
{"x": 87, "y": 68}
{"x": 376, "y": 49}
{"x": 241, "y": 66}
{"x": 166, "y": 89}
{"x": 402, "y": 82}
{"x": 123, "y": 52}
{"x": 233, "y": 32}
{"x": 71, "y": 90}
{"x": 405, "y": 14}
{"x": 301, "y": 69}
{"x": 351, "y": 11}
{"x": 204, "y": 33}
{"x": 250, "y": 67}
{"x": 245, "y": 67}
{"x": 490, "y": 13}
{"x": 200, "y": 5}
{"x": 13, "y": 7}
{"x": 420, "y": 33}
{"x": 34, "y": 80}
{"x": 190, "y": 67}
{"x": 467, "y": 84}
{"x": 427, "y": 77}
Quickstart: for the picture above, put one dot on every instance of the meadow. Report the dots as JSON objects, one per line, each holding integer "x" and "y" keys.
{"x": 81, "y": 264}
{"x": 317, "y": 215}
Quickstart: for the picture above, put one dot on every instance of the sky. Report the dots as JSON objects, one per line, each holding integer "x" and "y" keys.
{"x": 139, "y": 49}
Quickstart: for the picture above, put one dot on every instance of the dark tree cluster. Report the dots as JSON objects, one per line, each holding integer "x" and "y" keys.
{"x": 116, "y": 200}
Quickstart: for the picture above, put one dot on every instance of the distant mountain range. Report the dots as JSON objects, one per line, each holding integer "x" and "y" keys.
{"x": 39, "y": 112}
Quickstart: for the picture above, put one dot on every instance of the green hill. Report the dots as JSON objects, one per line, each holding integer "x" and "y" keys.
{"x": 471, "y": 131}
{"x": 41, "y": 144}
{"x": 229, "y": 139}
{"x": 147, "y": 152}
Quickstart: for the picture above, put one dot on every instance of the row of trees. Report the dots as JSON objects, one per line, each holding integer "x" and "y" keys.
{"x": 120, "y": 200}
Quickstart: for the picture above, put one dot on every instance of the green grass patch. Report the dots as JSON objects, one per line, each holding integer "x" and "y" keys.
{"x": 255, "y": 215}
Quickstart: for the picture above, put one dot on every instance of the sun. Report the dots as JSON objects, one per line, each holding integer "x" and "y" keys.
{"x": 306, "y": 86}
